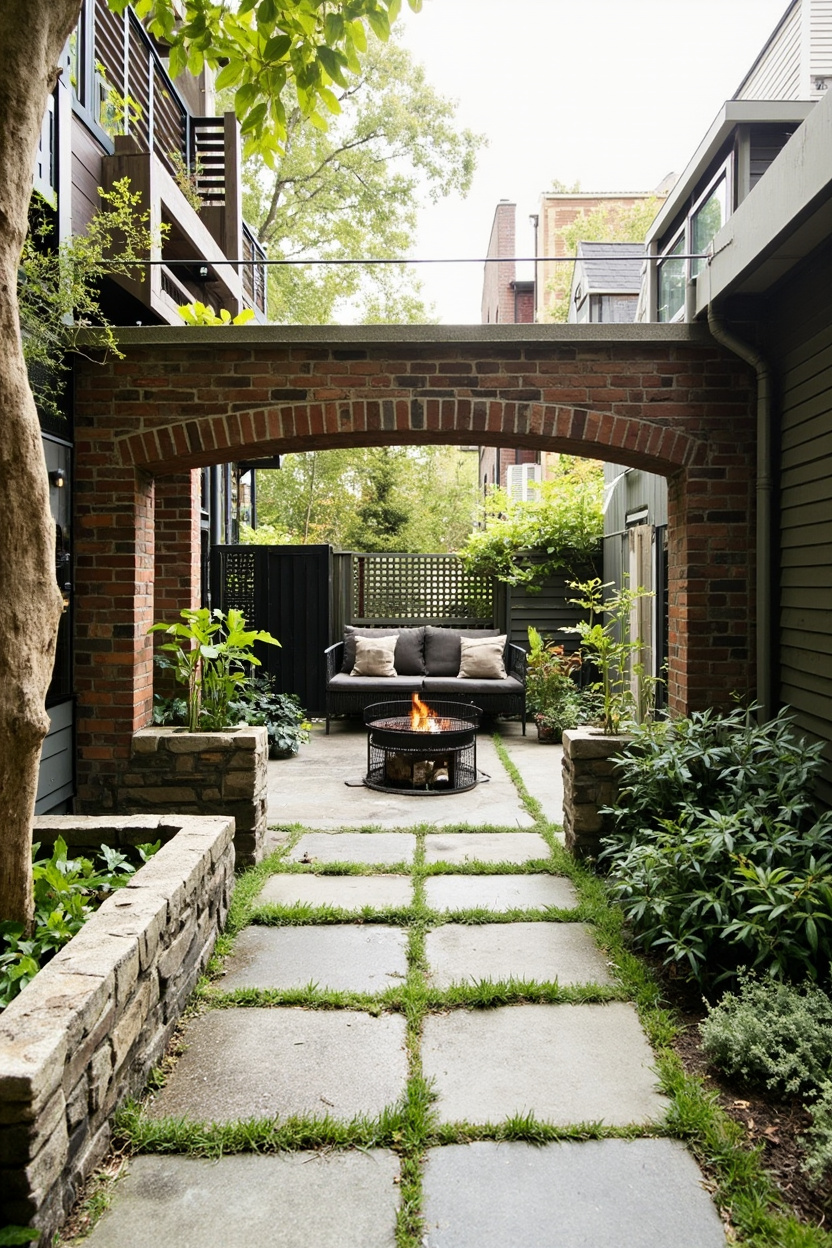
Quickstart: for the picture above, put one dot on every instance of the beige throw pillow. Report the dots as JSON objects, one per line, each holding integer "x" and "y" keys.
{"x": 481, "y": 658}
{"x": 374, "y": 656}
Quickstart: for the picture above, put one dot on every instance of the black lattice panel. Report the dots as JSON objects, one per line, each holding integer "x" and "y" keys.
{"x": 239, "y": 581}
{"x": 393, "y": 589}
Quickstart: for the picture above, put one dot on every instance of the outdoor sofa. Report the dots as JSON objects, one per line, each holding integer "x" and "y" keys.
{"x": 426, "y": 660}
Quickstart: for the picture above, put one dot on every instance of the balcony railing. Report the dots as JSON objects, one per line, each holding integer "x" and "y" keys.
{"x": 254, "y": 273}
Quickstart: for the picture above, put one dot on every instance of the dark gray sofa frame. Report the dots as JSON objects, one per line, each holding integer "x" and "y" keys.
{"x": 351, "y": 702}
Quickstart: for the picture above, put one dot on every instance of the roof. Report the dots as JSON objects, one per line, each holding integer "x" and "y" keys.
{"x": 607, "y": 271}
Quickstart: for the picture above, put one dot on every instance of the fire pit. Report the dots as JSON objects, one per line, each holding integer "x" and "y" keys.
{"x": 414, "y": 748}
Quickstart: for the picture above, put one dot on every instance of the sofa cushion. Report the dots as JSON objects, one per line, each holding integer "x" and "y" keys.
{"x": 409, "y": 659}
{"x": 481, "y": 658}
{"x": 374, "y": 656}
{"x": 442, "y": 647}
{"x": 385, "y": 686}
{"x": 470, "y": 690}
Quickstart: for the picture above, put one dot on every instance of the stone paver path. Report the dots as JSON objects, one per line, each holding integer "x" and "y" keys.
{"x": 344, "y": 1061}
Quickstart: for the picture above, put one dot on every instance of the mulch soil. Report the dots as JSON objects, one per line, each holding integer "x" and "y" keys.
{"x": 774, "y": 1126}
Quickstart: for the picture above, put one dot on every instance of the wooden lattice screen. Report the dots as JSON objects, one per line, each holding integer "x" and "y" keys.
{"x": 390, "y": 589}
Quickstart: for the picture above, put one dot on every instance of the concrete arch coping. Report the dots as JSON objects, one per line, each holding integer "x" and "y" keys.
{"x": 663, "y": 448}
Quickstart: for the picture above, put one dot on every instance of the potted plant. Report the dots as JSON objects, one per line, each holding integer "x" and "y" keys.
{"x": 553, "y": 696}
{"x": 281, "y": 713}
{"x": 211, "y": 654}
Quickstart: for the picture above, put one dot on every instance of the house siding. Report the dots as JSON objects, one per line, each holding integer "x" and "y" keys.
{"x": 820, "y": 56}
{"x": 801, "y": 338}
{"x": 777, "y": 74}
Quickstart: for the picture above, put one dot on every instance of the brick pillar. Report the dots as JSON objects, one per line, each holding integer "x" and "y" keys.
{"x": 178, "y": 571}
{"x": 114, "y": 608}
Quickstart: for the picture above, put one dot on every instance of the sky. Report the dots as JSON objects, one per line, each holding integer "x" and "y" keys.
{"x": 614, "y": 94}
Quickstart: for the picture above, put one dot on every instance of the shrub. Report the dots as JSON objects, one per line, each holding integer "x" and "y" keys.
{"x": 777, "y": 1036}
{"x": 772, "y": 1035}
{"x": 715, "y": 854}
{"x": 66, "y": 892}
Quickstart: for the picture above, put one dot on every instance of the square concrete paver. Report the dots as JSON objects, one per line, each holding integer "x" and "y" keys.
{"x": 365, "y": 958}
{"x": 466, "y": 953}
{"x": 339, "y": 1200}
{"x": 261, "y": 1063}
{"x": 347, "y": 892}
{"x": 513, "y": 847}
{"x": 368, "y": 847}
{"x": 565, "y": 1063}
{"x": 595, "y": 1194}
{"x": 499, "y": 892}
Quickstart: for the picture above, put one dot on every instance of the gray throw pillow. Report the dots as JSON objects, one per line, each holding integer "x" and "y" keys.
{"x": 374, "y": 656}
{"x": 410, "y": 648}
{"x": 443, "y": 651}
{"x": 482, "y": 658}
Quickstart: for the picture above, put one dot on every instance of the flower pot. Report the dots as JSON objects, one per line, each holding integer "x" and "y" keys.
{"x": 548, "y": 735}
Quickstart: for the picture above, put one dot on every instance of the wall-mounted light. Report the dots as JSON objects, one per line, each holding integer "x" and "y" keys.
{"x": 57, "y": 477}
{"x": 202, "y": 271}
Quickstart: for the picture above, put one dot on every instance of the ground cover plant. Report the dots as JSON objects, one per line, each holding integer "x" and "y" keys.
{"x": 67, "y": 891}
{"x": 716, "y": 854}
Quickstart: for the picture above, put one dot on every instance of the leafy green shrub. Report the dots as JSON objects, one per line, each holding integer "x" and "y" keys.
{"x": 818, "y": 1139}
{"x": 778, "y": 1036}
{"x": 772, "y": 1035}
{"x": 564, "y": 524}
{"x": 67, "y": 891}
{"x": 282, "y": 714}
{"x": 715, "y": 854}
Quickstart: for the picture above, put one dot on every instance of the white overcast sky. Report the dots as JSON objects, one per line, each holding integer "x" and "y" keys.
{"x": 613, "y": 93}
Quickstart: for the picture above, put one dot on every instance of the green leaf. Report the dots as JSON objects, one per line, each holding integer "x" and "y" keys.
{"x": 229, "y": 75}
{"x": 381, "y": 27}
{"x": 266, "y": 13}
{"x": 277, "y": 48}
{"x": 333, "y": 64}
{"x": 19, "y": 1234}
{"x": 177, "y": 61}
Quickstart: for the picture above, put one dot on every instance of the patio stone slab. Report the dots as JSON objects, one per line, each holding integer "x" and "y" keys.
{"x": 466, "y": 953}
{"x": 513, "y": 847}
{"x": 499, "y": 892}
{"x": 263, "y": 1063}
{"x": 347, "y": 892}
{"x": 565, "y": 1063}
{"x": 340, "y": 1200}
{"x": 594, "y": 1194}
{"x": 343, "y": 957}
{"x": 367, "y": 847}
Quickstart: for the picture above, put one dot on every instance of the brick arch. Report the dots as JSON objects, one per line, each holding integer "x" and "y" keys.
{"x": 666, "y": 399}
{"x": 636, "y": 442}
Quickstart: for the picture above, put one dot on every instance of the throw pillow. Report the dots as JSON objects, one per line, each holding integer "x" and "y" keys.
{"x": 481, "y": 658}
{"x": 374, "y": 656}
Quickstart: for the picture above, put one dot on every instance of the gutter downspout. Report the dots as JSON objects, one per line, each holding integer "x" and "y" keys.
{"x": 764, "y": 493}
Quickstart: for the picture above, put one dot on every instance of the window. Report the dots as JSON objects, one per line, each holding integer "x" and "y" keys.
{"x": 708, "y": 219}
{"x": 671, "y": 283}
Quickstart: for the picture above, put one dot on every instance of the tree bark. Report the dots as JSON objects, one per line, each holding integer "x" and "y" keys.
{"x": 32, "y": 34}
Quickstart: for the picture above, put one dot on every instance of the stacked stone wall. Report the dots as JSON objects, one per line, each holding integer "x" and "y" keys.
{"x": 83, "y": 1035}
{"x": 203, "y": 773}
{"x": 589, "y": 783}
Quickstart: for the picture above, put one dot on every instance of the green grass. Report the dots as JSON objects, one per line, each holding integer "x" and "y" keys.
{"x": 741, "y": 1187}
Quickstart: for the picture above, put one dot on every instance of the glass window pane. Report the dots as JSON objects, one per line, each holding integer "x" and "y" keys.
{"x": 708, "y": 220}
{"x": 672, "y": 274}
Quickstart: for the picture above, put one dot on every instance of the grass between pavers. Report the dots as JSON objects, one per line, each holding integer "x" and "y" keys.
{"x": 740, "y": 1184}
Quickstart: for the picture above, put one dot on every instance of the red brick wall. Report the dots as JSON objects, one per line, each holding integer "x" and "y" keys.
{"x": 675, "y": 404}
{"x": 498, "y": 305}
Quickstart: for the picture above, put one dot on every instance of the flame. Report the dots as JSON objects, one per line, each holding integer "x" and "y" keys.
{"x": 423, "y": 719}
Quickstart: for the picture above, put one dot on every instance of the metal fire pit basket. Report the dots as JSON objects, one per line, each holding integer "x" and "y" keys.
{"x": 404, "y": 761}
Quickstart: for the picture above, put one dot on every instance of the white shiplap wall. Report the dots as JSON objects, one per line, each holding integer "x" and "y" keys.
{"x": 796, "y": 64}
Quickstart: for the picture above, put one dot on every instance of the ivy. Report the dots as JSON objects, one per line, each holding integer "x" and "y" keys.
{"x": 524, "y": 543}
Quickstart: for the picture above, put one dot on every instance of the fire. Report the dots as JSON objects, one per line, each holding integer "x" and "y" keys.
{"x": 423, "y": 719}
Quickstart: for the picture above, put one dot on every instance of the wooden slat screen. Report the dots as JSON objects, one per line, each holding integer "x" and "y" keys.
{"x": 392, "y": 589}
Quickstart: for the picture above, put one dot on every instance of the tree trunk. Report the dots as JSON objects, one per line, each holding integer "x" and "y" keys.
{"x": 32, "y": 34}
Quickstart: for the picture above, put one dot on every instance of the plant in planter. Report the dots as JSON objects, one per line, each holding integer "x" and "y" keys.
{"x": 282, "y": 714}
{"x": 616, "y": 655}
{"x": 553, "y": 697}
{"x": 211, "y": 655}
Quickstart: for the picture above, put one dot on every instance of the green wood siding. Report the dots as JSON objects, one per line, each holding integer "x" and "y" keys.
{"x": 801, "y": 350}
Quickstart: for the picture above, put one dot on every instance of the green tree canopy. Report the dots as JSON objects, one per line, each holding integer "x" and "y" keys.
{"x": 353, "y": 192}
{"x": 416, "y": 499}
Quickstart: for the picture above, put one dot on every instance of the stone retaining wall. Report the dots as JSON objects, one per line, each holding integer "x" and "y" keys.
{"x": 203, "y": 773}
{"x": 589, "y": 783}
{"x": 84, "y": 1034}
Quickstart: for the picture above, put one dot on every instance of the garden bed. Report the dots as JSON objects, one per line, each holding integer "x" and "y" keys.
{"x": 84, "y": 1034}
